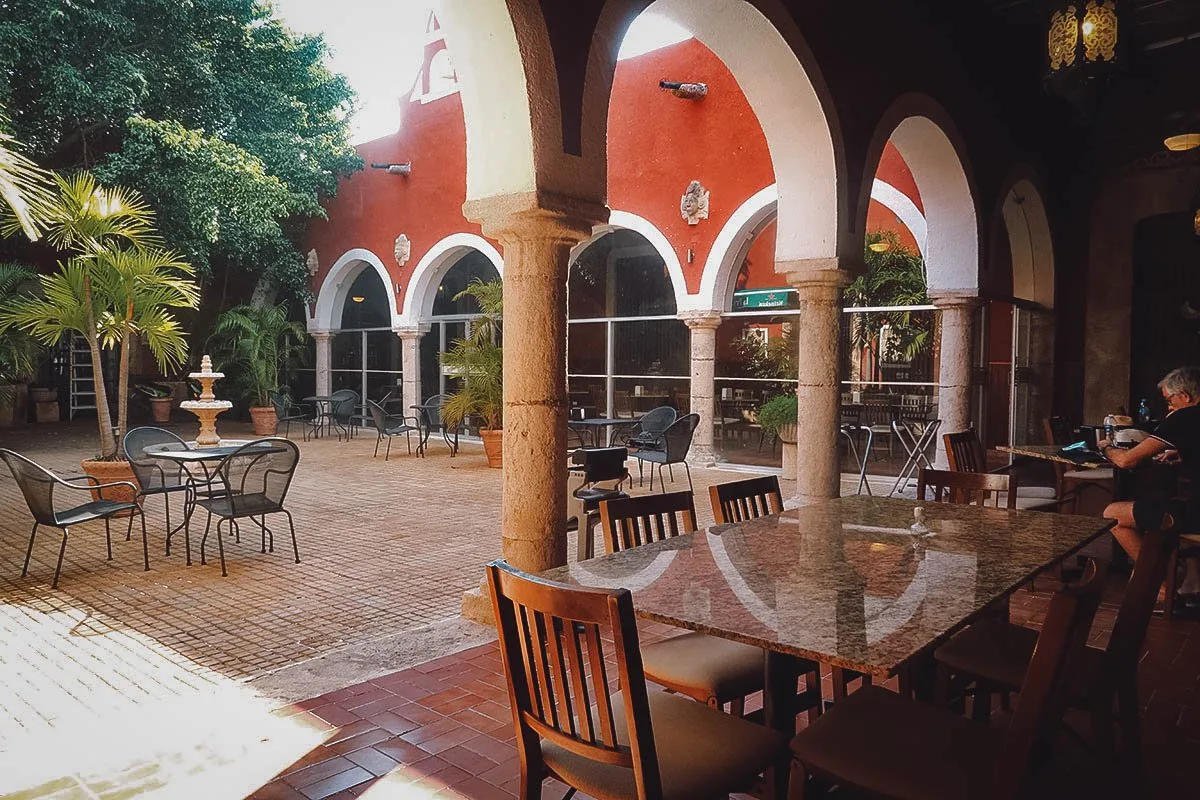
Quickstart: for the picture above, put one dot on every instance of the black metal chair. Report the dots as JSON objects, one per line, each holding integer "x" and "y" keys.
{"x": 670, "y": 448}
{"x": 156, "y": 476}
{"x": 430, "y": 415}
{"x": 390, "y": 426}
{"x": 649, "y": 429}
{"x": 253, "y": 482}
{"x": 37, "y": 484}
{"x": 288, "y": 411}
{"x": 344, "y": 405}
{"x": 597, "y": 465}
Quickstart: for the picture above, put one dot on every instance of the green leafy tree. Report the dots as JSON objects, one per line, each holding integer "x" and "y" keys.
{"x": 263, "y": 344}
{"x": 117, "y": 281}
{"x": 479, "y": 360}
{"x": 895, "y": 276}
{"x": 223, "y": 119}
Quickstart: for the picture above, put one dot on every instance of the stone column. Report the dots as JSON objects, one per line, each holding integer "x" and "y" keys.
{"x": 703, "y": 325}
{"x": 536, "y": 232}
{"x": 818, "y": 392}
{"x": 410, "y": 364}
{"x": 324, "y": 382}
{"x": 957, "y": 321}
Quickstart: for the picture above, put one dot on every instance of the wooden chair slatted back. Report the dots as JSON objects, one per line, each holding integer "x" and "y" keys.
{"x": 552, "y": 645}
{"x": 634, "y": 521}
{"x": 1043, "y": 697}
{"x": 1137, "y": 607}
{"x": 968, "y": 488}
{"x": 749, "y": 499}
{"x": 964, "y": 452}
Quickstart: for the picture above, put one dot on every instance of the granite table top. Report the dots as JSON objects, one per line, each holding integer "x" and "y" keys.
{"x": 1049, "y": 452}
{"x": 844, "y": 582}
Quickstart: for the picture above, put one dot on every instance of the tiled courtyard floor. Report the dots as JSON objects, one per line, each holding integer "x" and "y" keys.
{"x": 179, "y": 683}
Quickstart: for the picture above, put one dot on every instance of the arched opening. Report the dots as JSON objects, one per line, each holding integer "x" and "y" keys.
{"x": 364, "y": 352}
{"x": 627, "y": 350}
{"x": 449, "y": 319}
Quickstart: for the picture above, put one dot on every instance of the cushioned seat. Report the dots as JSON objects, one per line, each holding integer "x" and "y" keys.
{"x": 97, "y": 509}
{"x": 727, "y": 669}
{"x": 880, "y": 742}
{"x": 698, "y": 750}
{"x": 1098, "y": 474}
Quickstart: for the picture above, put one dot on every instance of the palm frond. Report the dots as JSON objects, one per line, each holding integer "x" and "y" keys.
{"x": 25, "y": 189}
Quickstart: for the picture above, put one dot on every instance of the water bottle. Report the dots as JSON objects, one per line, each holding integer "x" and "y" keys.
{"x": 1109, "y": 428}
{"x": 1143, "y": 414}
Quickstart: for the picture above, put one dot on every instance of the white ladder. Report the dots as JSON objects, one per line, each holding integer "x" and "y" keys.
{"x": 83, "y": 384}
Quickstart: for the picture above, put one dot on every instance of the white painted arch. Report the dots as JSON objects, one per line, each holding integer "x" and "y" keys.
{"x": 331, "y": 297}
{"x": 729, "y": 248}
{"x": 433, "y": 266}
{"x": 619, "y": 220}
{"x": 1030, "y": 243}
{"x": 904, "y": 208}
{"x": 929, "y": 143}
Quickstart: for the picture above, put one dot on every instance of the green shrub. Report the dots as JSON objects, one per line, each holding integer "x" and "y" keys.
{"x": 778, "y": 411}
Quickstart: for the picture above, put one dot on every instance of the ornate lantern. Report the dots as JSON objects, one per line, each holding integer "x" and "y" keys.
{"x": 1081, "y": 44}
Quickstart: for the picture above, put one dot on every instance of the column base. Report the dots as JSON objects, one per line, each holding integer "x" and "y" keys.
{"x": 801, "y": 500}
{"x": 702, "y": 457}
{"x": 477, "y": 607}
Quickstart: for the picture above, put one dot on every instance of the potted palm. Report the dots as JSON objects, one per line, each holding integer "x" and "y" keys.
{"x": 778, "y": 418}
{"x": 116, "y": 284}
{"x": 479, "y": 361}
{"x": 159, "y": 397}
{"x": 263, "y": 342}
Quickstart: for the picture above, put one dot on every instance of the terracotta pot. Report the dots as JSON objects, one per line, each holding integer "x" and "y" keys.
{"x": 160, "y": 407}
{"x": 107, "y": 472}
{"x": 493, "y": 446}
{"x": 265, "y": 421}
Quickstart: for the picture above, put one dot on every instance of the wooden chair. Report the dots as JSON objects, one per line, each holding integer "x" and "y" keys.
{"x": 742, "y": 500}
{"x": 634, "y": 521}
{"x": 572, "y": 725}
{"x": 889, "y": 746}
{"x": 968, "y": 488}
{"x": 998, "y": 655}
{"x": 965, "y": 453}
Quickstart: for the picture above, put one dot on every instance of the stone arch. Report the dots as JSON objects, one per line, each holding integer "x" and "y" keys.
{"x": 650, "y": 232}
{"x": 904, "y": 208}
{"x": 327, "y": 314}
{"x": 433, "y": 266}
{"x": 1023, "y": 214}
{"x": 725, "y": 257}
{"x": 930, "y": 144}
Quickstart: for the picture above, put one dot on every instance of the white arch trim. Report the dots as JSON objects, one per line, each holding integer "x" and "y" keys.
{"x": 724, "y": 259}
{"x": 623, "y": 219}
{"x": 1030, "y": 244}
{"x": 331, "y": 297}
{"x": 433, "y": 266}
{"x": 903, "y": 207}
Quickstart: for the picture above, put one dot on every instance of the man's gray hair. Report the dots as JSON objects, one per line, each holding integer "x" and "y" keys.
{"x": 1184, "y": 380}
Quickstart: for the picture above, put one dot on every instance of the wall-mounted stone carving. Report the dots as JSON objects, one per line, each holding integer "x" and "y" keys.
{"x": 312, "y": 263}
{"x": 693, "y": 206}
{"x": 403, "y": 250}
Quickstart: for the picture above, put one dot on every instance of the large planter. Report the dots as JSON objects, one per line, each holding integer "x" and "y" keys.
{"x": 160, "y": 408}
{"x": 40, "y": 394}
{"x": 108, "y": 472}
{"x": 788, "y": 435}
{"x": 264, "y": 419}
{"x": 493, "y": 446}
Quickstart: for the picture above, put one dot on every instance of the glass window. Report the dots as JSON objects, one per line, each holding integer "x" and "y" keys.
{"x": 587, "y": 348}
{"x": 366, "y": 303}
{"x": 620, "y": 275}
{"x": 472, "y": 266}
{"x": 651, "y": 347}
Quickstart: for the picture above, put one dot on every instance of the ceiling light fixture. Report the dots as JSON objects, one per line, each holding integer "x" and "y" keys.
{"x": 1182, "y": 141}
{"x": 1082, "y": 51}
{"x": 879, "y": 247}
{"x": 358, "y": 298}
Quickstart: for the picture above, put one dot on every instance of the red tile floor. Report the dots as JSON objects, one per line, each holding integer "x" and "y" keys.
{"x": 444, "y": 729}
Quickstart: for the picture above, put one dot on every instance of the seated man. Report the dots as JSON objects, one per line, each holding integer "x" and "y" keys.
{"x": 1175, "y": 444}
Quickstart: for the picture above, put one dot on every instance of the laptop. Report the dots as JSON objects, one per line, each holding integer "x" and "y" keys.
{"x": 1081, "y": 453}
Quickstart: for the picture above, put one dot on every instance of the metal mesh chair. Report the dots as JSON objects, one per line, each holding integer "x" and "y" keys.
{"x": 156, "y": 476}
{"x": 254, "y": 481}
{"x": 431, "y": 419}
{"x": 37, "y": 485}
{"x": 287, "y": 411}
{"x": 344, "y": 405}
{"x": 389, "y": 426}
{"x": 671, "y": 447}
{"x": 649, "y": 429}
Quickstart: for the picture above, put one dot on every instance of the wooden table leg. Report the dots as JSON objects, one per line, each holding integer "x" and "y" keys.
{"x": 778, "y": 706}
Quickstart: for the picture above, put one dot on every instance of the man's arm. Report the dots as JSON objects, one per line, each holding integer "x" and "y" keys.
{"x": 1146, "y": 449}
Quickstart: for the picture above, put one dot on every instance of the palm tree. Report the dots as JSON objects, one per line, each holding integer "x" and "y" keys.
{"x": 263, "y": 342}
{"x": 479, "y": 360}
{"x": 24, "y": 188}
{"x": 18, "y": 350}
{"x": 895, "y": 276}
{"x": 118, "y": 282}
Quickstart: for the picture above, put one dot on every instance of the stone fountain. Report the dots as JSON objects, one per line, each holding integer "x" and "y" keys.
{"x": 208, "y": 407}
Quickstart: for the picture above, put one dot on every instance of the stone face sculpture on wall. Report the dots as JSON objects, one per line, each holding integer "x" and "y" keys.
{"x": 312, "y": 263}
{"x": 693, "y": 206}
{"x": 403, "y": 249}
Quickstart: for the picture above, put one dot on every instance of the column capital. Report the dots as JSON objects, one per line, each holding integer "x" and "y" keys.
{"x": 954, "y": 299}
{"x": 704, "y": 319}
{"x": 321, "y": 336}
{"x": 411, "y": 331}
{"x": 815, "y": 279}
{"x": 536, "y": 215}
